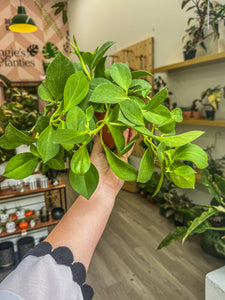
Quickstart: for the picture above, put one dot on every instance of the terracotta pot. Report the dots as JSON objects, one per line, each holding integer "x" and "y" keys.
{"x": 107, "y": 137}
{"x": 191, "y": 114}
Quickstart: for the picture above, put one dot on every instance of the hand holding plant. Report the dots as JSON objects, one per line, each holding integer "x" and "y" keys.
{"x": 75, "y": 92}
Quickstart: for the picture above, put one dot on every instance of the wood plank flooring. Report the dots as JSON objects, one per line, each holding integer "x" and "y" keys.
{"x": 127, "y": 265}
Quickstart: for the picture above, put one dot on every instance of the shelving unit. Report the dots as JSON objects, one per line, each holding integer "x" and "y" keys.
{"x": 198, "y": 61}
{"x": 215, "y": 123}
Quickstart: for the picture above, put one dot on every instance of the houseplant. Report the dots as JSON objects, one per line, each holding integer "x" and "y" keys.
{"x": 211, "y": 98}
{"x": 75, "y": 91}
{"x": 202, "y": 25}
{"x": 202, "y": 220}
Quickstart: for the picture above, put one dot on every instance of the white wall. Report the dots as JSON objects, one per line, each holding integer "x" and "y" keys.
{"x": 128, "y": 21}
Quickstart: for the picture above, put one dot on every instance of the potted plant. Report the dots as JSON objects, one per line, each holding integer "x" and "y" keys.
{"x": 75, "y": 92}
{"x": 202, "y": 25}
{"x": 202, "y": 222}
{"x": 191, "y": 112}
{"x": 4, "y": 215}
{"x": 211, "y": 98}
{"x": 44, "y": 214}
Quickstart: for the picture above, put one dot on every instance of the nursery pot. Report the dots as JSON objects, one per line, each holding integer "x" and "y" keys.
{"x": 210, "y": 114}
{"x": 107, "y": 137}
{"x": 7, "y": 255}
{"x": 189, "y": 54}
{"x": 24, "y": 244}
{"x": 57, "y": 213}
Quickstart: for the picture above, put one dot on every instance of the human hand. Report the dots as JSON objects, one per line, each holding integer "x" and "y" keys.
{"x": 107, "y": 178}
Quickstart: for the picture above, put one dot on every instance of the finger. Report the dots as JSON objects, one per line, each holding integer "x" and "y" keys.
{"x": 97, "y": 148}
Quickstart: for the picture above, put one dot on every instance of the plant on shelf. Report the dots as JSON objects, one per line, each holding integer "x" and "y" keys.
{"x": 202, "y": 25}
{"x": 75, "y": 92}
{"x": 191, "y": 112}
{"x": 203, "y": 220}
{"x": 211, "y": 98}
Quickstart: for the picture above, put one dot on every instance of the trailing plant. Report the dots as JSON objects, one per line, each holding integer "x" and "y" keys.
{"x": 200, "y": 220}
{"x": 205, "y": 17}
{"x": 75, "y": 92}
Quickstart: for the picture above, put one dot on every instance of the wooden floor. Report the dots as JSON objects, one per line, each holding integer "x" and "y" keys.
{"x": 128, "y": 266}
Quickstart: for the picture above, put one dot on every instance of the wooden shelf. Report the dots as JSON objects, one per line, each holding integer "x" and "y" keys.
{"x": 9, "y": 193}
{"x": 39, "y": 224}
{"x": 198, "y": 61}
{"x": 215, "y": 123}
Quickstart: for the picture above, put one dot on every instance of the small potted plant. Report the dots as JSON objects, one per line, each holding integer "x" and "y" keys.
{"x": 4, "y": 215}
{"x": 44, "y": 214}
{"x": 211, "y": 98}
{"x": 10, "y": 226}
{"x": 74, "y": 93}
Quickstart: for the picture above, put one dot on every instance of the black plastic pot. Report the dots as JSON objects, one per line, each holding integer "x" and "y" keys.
{"x": 24, "y": 244}
{"x": 44, "y": 218}
{"x": 57, "y": 213}
{"x": 189, "y": 54}
{"x": 210, "y": 114}
{"x": 7, "y": 254}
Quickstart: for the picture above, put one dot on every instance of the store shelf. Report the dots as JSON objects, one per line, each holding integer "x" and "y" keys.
{"x": 39, "y": 224}
{"x": 215, "y": 123}
{"x": 203, "y": 60}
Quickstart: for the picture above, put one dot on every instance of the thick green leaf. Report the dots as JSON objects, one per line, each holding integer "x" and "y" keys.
{"x": 76, "y": 89}
{"x": 184, "y": 182}
{"x": 193, "y": 153}
{"x": 160, "y": 151}
{"x": 14, "y": 138}
{"x": 86, "y": 184}
{"x": 44, "y": 93}
{"x": 140, "y": 73}
{"x": 100, "y": 68}
{"x": 80, "y": 162}
{"x": 121, "y": 74}
{"x": 76, "y": 119}
{"x": 68, "y": 147}
{"x": 157, "y": 99}
{"x": 57, "y": 74}
{"x": 132, "y": 112}
{"x": 159, "y": 184}
{"x": 122, "y": 169}
{"x": 57, "y": 162}
{"x": 177, "y": 115}
{"x": 198, "y": 221}
{"x": 206, "y": 179}
{"x": 145, "y": 131}
{"x": 124, "y": 120}
{"x": 181, "y": 139}
{"x": 168, "y": 127}
{"x": 140, "y": 84}
{"x": 70, "y": 136}
{"x": 173, "y": 236}
{"x": 34, "y": 151}
{"x": 160, "y": 115}
{"x": 117, "y": 135}
{"x": 42, "y": 123}
{"x": 21, "y": 166}
{"x": 45, "y": 146}
{"x": 146, "y": 168}
{"x": 89, "y": 113}
{"x": 108, "y": 93}
{"x": 181, "y": 169}
{"x": 101, "y": 51}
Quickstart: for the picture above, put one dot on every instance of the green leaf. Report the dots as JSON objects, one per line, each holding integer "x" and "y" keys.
{"x": 185, "y": 182}
{"x": 101, "y": 51}
{"x": 160, "y": 151}
{"x": 157, "y": 99}
{"x": 193, "y": 153}
{"x": 121, "y": 75}
{"x": 46, "y": 148}
{"x": 68, "y": 147}
{"x": 21, "y": 166}
{"x": 76, "y": 119}
{"x": 181, "y": 169}
{"x": 86, "y": 184}
{"x": 44, "y": 93}
{"x": 220, "y": 181}
{"x": 14, "y": 138}
{"x": 117, "y": 135}
{"x": 168, "y": 127}
{"x": 34, "y": 151}
{"x": 140, "y": 73}
{"x": 57, "y": 74}
{"x": 159, "y": 115}
{"x": 57, "y": 162}
{"x": 70, "y": 136}
{"x": 132, "y": 112}
{"x": 145, "y": 131}
{"x": 80, "y": 162}
{"x": 146, "y": 168}
{"x": 140, "y": 84}
{"x": 100, "y": 68}
{"x": 198, "y": 221}
{"x": 124, "y": 120}
{"x": 108, "y": 93}
{"x": 159, "y": 184}
{"x": 173, "y": 236}
{"x": 206, "y": 179}
{"x": 181, "y": 139}
{"x": 177, "y": 115}
{"x": 89, "y": 113}
{"x": 122, "y": 169}
{"x": 42, "y": 123}
{"x": 75, "y": 90}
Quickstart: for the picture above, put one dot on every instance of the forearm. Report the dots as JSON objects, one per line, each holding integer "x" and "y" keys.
{"x": 82, "y": 226}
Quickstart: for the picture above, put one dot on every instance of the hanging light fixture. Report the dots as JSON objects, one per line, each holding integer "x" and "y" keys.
{"x": 21, "y": 22}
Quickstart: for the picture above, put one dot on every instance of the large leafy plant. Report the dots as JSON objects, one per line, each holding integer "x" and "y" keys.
{"x": 74, "y": 92}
